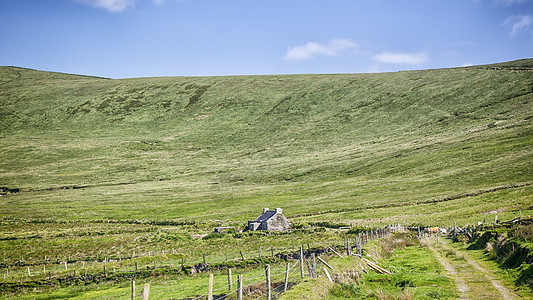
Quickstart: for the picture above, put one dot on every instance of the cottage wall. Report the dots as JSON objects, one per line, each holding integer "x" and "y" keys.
{"x": 276, "y": 223}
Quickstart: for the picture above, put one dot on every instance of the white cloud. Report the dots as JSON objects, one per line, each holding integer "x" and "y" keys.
{"x": 312, "y": 50}
{"x": 468, "y": 64}
{"x": 518, "y": 23}
{"x": 110, "y": 5}
{"x": 401, "y": 57}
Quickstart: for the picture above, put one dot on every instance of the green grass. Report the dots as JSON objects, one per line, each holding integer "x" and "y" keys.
{"x": 171, "y": 148}
{"x": 416, "y": 274}
{"x": 164, "y": 159}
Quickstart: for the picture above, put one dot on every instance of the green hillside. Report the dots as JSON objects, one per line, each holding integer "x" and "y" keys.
{"x": 433, "y": 145}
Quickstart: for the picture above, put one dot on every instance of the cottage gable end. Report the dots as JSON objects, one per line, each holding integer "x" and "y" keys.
{"x": 271, "y": 220}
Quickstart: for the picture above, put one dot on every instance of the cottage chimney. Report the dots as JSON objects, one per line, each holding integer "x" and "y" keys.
{"x": 278, "y": 210}
{"x": 265, "y": 209}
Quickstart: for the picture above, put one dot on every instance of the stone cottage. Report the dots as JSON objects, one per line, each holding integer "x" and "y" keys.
{"x": 271, "y": 220}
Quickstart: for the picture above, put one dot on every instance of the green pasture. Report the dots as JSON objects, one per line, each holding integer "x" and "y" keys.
{"x": 94, "y": 168}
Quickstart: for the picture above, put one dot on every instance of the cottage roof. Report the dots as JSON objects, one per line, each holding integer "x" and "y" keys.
{"x": 265, "y": 216}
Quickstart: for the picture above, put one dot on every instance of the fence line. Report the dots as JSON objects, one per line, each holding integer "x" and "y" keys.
{"x": 359, "y": 241}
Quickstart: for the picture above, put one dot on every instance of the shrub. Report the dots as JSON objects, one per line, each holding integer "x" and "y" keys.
{"x": 213, "y": 235}
{"x": 523, "y": 232}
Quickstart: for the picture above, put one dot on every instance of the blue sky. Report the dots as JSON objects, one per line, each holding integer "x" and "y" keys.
{"x": 142, "y": 38}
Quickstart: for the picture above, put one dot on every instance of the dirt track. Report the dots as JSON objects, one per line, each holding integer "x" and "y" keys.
{"x": 472, "y": 280}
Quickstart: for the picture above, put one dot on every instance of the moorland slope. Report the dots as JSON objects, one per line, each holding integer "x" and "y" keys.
{"x": 376, "y": 147}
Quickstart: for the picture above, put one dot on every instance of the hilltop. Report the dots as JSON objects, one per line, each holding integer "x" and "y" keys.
{"x": 411, "y": 146}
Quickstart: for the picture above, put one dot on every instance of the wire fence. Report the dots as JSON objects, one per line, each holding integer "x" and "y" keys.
{"x": 253, "y": 285}
{"x": 256, "y": 284}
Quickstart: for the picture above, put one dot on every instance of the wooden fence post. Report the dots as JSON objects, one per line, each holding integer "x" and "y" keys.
{"x": 325, "y": 263}
{"x": 313, "y": 265}
{"x": 210, "y": 290}
{"x": 327, "y": 274}
{"x": 229, "y": 280}
{"x": 133, "y": 290}
{"x": 272, "y": 249}
{"x": 239, "y": 287}
{"x": 348, "y": 249}
{"x": 269, "y": 287}
{"x": 145, "y": 293}
{"x": 302, "y": 262}
{"x": 286, "y": 277}
{"x": 454, "y": 230}
{"x": 136, "y": 268}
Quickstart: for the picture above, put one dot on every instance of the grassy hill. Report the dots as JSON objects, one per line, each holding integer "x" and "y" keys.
{"x": 433, "y": 145}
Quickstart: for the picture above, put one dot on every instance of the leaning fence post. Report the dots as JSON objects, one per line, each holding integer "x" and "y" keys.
{"x": 239, "y": 287}
{"x": 327, "y": 274}
{"x": 269, "y": 288}
{"x": 210, "y": 290}
{"x": 325, "y": 263}
{"x": 286, "y": 278}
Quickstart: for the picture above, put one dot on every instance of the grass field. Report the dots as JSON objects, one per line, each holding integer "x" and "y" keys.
{"x": 222, "y": 148}
{"x": 93, "y": 166}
